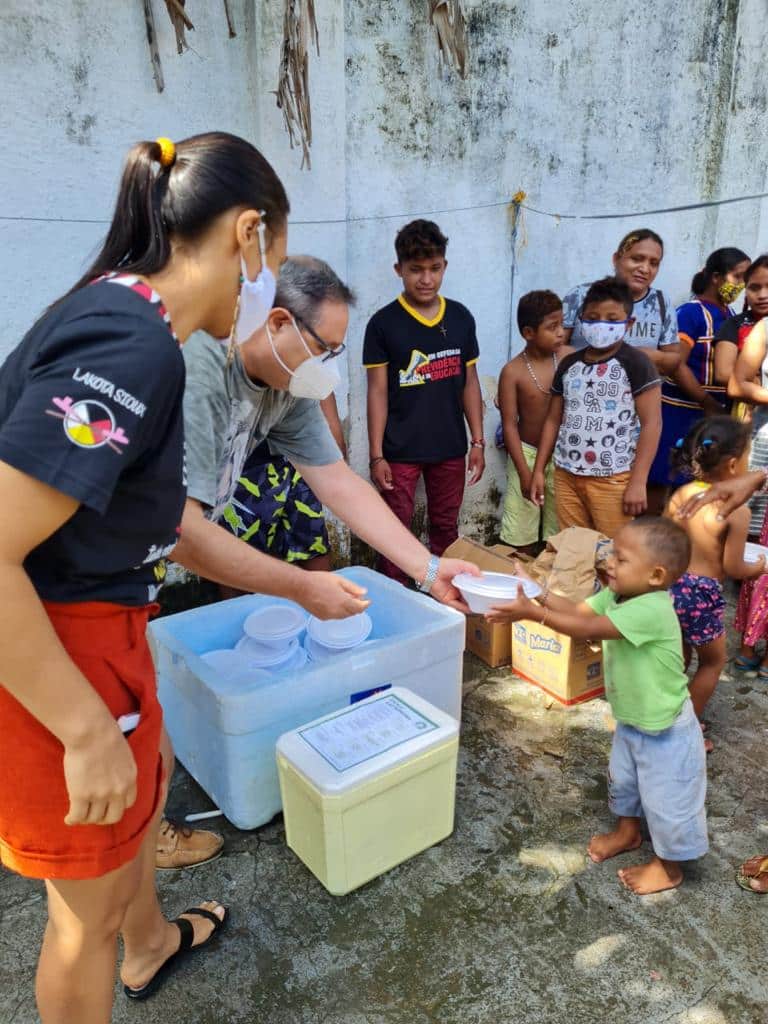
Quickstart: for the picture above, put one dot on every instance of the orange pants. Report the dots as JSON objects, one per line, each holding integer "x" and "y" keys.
{"x": 108, "y": 644}
{"x": 592, "y": 501}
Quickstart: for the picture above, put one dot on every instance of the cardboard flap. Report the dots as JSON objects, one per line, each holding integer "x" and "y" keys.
{"x": 487, "y": 559}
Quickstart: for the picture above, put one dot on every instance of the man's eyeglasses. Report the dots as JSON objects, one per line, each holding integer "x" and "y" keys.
{"x": 332, "y": 351}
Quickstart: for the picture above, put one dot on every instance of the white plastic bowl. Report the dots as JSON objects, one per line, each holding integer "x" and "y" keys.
{"x": 752, "y": 552}
{"x": 340, "y": 634}
{"x": 492, "y": 588}
{"x": 276, "y": 624}
{"x": 258, "y": 655}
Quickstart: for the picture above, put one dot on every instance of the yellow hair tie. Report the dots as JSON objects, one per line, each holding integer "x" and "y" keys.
{"x": 167, "y": 151}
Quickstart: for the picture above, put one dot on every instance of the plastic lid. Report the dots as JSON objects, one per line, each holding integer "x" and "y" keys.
{"x": 496, "y": 584}
{"x": 275, "y": 622}
{"x": 262, "y": 655}
{"x": 340, "y": 634}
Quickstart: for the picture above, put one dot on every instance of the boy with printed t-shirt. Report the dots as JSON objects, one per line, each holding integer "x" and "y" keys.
{"x": 420, "y": 352}
{"x": 657, "y": 769}
{"x": 524, "y": 395}
{"x": 604, "y": 420}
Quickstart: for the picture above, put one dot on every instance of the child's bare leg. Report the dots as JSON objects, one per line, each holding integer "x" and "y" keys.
{"x": 711, "y": 659}
{"x": 655, "y": 876}
{"x": 626, "y": 836}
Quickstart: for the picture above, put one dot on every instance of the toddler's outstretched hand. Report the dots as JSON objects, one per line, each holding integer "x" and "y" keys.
{"x": 521, "y": 608}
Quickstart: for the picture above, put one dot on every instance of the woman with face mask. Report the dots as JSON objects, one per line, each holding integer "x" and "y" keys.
{"x": 269, "y": 388}
{"x": 92, "y": 489}
{"x": 692, "y": 391}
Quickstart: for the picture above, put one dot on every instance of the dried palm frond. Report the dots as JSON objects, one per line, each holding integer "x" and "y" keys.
{"x": 299, "y": 30}
{"x": 154, "y": 52}
{"x": 230, "y": 20}
{"x": 180, "y": 22}
{"x": 448, "y": 19}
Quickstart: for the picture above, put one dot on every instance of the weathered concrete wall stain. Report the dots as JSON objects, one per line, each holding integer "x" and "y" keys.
{"x": 585, "y": 108}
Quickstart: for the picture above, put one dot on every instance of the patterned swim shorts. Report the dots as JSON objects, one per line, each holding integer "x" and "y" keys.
{"x": 700, "y": 608}
{"x": 274, "y": 510}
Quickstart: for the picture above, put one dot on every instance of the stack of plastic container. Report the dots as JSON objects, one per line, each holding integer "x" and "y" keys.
{"x": 272, "y": 642}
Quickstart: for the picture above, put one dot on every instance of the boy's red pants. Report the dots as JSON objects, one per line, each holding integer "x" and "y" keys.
{"x": 444, "y": 484}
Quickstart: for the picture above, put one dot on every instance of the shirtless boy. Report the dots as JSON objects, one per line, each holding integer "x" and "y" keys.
{"x": 524, "y": 394}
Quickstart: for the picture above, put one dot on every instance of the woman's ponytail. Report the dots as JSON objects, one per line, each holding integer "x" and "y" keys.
{"x": 172, "y": 190}
{"x": 137, "y": 237}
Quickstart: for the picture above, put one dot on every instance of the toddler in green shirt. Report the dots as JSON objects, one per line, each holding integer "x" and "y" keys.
{"x": 657, "y": 769}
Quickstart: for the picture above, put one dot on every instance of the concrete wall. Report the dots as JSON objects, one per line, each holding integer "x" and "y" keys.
{"x": 588, "y": 107}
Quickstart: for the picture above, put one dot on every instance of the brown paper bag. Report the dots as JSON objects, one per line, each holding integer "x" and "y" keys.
{"x": 570, "y": 562}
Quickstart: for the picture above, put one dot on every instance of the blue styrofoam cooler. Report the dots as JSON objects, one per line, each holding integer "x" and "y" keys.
{"x": 225, "y": 736}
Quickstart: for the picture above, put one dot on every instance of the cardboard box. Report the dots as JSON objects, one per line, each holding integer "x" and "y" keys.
{"x": 491, "y": 643}
{"x": 569, "y": 670}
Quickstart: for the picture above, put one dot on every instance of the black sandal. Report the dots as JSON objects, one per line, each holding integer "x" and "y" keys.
{"x": 185, "y": 946}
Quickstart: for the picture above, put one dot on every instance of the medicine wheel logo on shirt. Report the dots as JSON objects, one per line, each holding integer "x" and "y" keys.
{"x": 89, "y": 424}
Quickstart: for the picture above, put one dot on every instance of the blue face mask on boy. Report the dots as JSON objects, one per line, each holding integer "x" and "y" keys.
{"x": 603, "y": 333}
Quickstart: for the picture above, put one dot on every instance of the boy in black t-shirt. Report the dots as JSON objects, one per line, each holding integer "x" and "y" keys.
{"x": 421, "y": 352}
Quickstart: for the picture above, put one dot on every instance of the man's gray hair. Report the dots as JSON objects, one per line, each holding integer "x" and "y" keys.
{"x": 305, "y": 283}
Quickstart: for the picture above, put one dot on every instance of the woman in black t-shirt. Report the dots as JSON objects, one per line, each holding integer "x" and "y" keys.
{"x": 91, "y": 493}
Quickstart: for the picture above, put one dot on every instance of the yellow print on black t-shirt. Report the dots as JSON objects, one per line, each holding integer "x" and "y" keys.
{"x": 423, "y": 368}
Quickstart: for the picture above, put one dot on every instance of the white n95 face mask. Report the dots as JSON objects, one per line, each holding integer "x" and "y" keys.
{"x": 603, "y": 333}
{"x": 315, "y": 378}
{"x": 256, "y": 297}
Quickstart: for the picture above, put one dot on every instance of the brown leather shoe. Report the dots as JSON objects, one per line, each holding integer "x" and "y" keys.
{"x": 180, "y": 847}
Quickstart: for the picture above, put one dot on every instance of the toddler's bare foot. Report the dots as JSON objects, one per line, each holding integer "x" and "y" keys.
{"x": 610, "y": 844}
{"x": 655, "y": 876}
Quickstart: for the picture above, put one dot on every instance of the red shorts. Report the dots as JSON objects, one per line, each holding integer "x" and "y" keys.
{"x": 108, "y": 644}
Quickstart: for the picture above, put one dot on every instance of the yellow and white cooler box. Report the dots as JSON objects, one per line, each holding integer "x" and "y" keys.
{"x": 369, "y": 786}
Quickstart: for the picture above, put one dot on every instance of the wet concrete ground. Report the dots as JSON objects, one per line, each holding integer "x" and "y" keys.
{"x": 505, "y": 921}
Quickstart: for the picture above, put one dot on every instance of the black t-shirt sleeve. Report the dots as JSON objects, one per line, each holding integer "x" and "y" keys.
{"x": 375, "y": 351}
{"x": 639, "y": 369}
{"x": 729, "y": 330}
{"x": 471, "y": 348}
{"x": 91, "y": 403}
{"x": 563, "y": 366}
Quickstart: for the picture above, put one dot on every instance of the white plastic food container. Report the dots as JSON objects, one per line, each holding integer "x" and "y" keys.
{"x": 483, "y": 592}
{"x": 340, "y": 634}
{"x": 260, "y": 655}
{"x": 276, "y": 624}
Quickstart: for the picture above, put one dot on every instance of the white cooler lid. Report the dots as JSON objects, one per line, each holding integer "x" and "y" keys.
{"x": 339, "y": 751}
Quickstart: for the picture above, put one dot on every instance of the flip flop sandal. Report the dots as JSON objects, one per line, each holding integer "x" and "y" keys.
{"x": 750, "y": 870}
{"x": 744, "y": 664}
{"x": 762, "y": 673}
{"x": 161, "y": 975}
